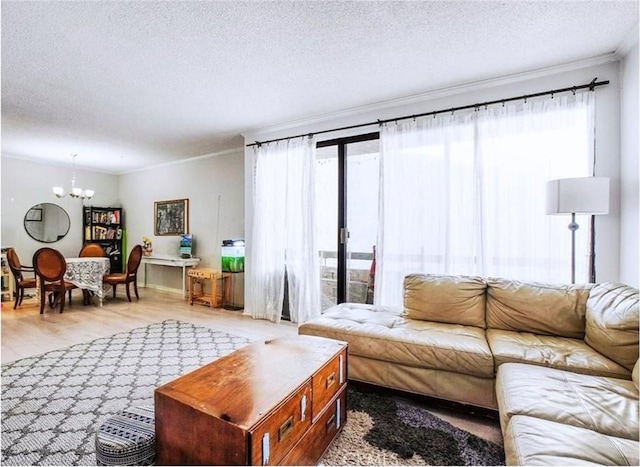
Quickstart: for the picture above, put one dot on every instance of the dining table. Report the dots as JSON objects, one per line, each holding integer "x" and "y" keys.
{"x": 87, "y": 273}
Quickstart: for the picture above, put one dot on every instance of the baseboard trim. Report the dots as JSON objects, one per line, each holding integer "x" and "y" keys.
{"x": 161, "y": 288}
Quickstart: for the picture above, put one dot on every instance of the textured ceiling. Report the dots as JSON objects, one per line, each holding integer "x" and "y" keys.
{"x": 130, "y": 84}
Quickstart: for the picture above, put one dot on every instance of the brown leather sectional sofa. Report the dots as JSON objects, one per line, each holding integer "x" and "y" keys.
{"x": 555, "y": 360}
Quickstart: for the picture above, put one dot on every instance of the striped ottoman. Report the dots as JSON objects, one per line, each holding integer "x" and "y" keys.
{"x": 127, "y": 438}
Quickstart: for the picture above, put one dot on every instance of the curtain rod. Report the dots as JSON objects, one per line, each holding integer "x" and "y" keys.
{"x": 591, "y": 86}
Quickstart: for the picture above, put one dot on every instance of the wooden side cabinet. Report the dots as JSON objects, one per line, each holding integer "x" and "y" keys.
{"x": 277, "y": 402}
{"x": 203, "y": 286}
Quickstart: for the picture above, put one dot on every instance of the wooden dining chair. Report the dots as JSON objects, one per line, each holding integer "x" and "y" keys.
{"x": 18, "y": 271}
{"x": 127, "y": 277}
{"x": 50, "y": 266}
{"x": 92, "y": 250}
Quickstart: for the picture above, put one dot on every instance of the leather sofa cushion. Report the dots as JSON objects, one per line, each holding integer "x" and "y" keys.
{"x": 605, "y": 405}
{"x": 445, "y": 299}
{"x": 556, "y": 310}
{"x": 458, "y": 387}
{"x": 382, "y": 334}
{"x": 534, "y": 441}
{"x": 612, "y": 322}
{"x": 555, "y": 352}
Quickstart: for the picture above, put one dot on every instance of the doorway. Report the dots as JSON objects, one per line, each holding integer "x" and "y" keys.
{"x": 347, "y": 189}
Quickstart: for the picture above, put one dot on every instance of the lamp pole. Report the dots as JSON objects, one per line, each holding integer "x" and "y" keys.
{"x": 573, "y": 226}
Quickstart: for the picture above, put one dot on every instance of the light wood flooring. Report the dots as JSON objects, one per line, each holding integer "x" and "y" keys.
{"x": 26, "y": 333}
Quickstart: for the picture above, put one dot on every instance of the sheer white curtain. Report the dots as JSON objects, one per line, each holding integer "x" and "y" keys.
{"x": 465, "y": 193}
{"x": 284, "y": 232}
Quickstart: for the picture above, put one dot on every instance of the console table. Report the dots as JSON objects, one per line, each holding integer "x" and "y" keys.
{"x": 281, "y": 401}
{"x": 172, "y": 261}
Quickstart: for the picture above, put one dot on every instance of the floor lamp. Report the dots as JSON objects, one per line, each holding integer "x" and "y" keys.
{"x": 585, "y": 195}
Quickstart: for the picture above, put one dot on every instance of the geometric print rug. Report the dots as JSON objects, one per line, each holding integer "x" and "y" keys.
{"x": 52, "y": 404}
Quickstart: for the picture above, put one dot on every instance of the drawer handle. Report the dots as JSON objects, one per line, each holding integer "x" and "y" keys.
{"x": 331, "y": 423}
{"x": 331, "y": 379}
{"x": 285, "y": 429}
{"x": 265, "y": 449}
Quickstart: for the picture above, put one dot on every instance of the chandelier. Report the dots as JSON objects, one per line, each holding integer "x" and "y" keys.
{"x": 76, "y": 192}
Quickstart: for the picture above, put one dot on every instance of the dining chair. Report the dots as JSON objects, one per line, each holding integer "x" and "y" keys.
{"x": 50, "y": 266}
{"x": 21, "y": 281}
{"x": 127, "y": 277}
{"x": 92, "y": 250}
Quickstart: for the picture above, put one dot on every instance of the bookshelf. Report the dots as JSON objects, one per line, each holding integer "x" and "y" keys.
{"x": 106, "y": 227}
{"x": 7, "y": 280}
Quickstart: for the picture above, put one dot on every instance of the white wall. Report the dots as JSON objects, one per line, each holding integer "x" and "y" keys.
{"x": 26, "y": 183}
{"x": 629, "y": 154}
{"x": 607, "y": 129}
{"x": 214, "y": 186}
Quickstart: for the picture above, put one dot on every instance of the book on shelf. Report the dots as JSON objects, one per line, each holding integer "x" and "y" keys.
{"x": 99, "y": 232}
{"x": 112, "y": 250}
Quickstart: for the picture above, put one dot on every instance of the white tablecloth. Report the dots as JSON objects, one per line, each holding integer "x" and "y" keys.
{"x": 87, "y": 273}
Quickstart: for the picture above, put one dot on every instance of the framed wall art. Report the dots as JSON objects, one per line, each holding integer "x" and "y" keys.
{"x": 171, "y": 217}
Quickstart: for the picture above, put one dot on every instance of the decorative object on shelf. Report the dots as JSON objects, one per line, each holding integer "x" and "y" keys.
{"x": 584, "y": 195}
{"x": 186, "y": 245}
{"x": 147, "y": 247}
{"x": 172, "y": 217}
{"x": 76, "y": 192}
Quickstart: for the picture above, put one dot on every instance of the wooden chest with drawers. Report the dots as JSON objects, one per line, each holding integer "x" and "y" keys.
{"x": 281, "y": 401}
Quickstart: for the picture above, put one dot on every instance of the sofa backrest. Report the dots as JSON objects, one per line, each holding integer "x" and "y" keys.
{"x": 612, "y": 322}
{"x": 445, "y": 299}
{"x": 550, "y": 309}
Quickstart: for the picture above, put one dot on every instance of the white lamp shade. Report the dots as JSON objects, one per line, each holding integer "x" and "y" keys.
{"x": 585, "y": 195}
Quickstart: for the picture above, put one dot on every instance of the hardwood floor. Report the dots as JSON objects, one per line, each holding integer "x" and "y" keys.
{"x": 25, "y": 332}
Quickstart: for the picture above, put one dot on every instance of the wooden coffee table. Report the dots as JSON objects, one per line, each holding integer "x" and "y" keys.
{"x": 281, "y": 401}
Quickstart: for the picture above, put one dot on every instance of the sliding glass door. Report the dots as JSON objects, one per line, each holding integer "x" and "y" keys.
{"x": 347, "y": 181}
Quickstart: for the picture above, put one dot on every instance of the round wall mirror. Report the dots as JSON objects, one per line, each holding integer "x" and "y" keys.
{"x": 47, "y": 222}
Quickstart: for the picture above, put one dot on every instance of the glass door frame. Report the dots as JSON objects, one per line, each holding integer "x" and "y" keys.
{"x": 343, "y": 233}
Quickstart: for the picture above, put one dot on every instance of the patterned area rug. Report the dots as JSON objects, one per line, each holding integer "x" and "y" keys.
{"x": 52, "y": 404}
{"x": 389, "y": 430}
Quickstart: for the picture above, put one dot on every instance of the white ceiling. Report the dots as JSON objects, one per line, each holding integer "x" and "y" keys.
{"x": 131, "y": 84}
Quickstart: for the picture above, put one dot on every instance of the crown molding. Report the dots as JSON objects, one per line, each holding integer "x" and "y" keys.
{"x": 55, "y": 163}
{"x": 630, "y": 40}
{"x": 189, "y": 160}
{"x": 436, "y": 94}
